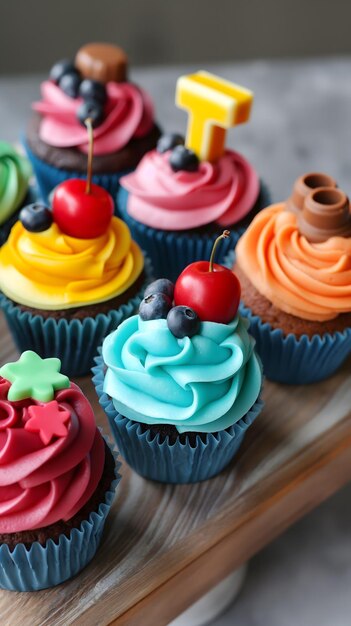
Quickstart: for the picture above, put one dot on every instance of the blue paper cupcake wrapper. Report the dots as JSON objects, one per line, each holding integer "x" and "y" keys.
{"x": 48, "y": 176}
{"x": 39, "y": 567}
{"x": 74, "y": 342}
{"x": 176, "y": 463}
{"x": 171, "y": 251}
{"x": 297, "y": 360}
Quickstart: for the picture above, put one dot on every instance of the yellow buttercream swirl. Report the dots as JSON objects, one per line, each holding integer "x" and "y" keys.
{"x": 309, "y": 280}
{"x": 50, "y": 270}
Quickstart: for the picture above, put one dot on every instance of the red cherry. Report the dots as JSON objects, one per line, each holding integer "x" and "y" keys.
{"x": 81, "y": 214}
{"x": 214, "y": 295}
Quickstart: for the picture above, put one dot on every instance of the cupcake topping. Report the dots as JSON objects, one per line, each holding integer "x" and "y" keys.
{"x": 34, "y": 377}
{"x": 102, "y": 62}
{"x": 204, "y": 291}
{"x": 82, "y": 209}
{"x": 93, "y": 86}
{"x": 214, "y": 105}
{"x": 48, "y": 421}
{"x": 36, "y": 217}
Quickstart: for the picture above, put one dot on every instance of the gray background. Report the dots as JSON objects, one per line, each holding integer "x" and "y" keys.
{"x": 301, "y": 121}
{"x": 35, "y": 33}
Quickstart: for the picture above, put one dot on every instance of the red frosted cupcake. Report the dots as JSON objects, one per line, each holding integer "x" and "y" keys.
{"x": 57, "y": 476}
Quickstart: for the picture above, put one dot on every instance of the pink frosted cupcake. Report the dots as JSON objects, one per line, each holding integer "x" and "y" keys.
{"x": 94, "y": 85}
{"x": 175, "y": 202}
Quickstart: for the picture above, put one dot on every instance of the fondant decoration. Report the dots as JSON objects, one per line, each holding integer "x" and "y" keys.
{"x": 34, "y": 377}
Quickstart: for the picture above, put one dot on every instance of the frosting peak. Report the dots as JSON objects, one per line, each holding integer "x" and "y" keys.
{"x": 128, "y": 114}
{"x": 51, "y": 270}
{"x": 15, "y": 172}
{"x": 222, "y": 192}
{"x": 155, "y": 378}
{"x": 309, "y": 280}
{"x": 51, "y": 458}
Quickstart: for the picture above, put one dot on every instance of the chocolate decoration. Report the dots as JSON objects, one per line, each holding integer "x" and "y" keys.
{"x": 103, "y": 62}
{"x": 304, "y": 185}
{"x": 326, "y": 213}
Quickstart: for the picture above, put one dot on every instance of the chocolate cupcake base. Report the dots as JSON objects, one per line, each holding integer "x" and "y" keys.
{"x": 288, "y": 324}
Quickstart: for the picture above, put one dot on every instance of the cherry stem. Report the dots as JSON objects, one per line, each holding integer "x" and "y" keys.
{"x": 89, "y": 124}
{"x": 224, "y": 235}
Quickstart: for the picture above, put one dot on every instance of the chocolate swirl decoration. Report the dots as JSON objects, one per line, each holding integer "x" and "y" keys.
{"x": 323, "y": 210}
{"x": 304, "y": 185}
{"x": 325, "y": 214}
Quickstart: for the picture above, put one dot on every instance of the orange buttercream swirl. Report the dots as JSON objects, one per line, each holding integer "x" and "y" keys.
{"x": 309, "y": 280}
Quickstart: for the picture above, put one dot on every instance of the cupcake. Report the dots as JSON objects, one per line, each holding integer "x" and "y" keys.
{"x": 15, "y": 172}
{"x": 294, "y": 265}
{"x": 180, "y": 383}
{"x": 94, "y": 85}
{"x": 69, "y": 276}
{"x": 58, "y": 476}
{"x": 180, "y": 195}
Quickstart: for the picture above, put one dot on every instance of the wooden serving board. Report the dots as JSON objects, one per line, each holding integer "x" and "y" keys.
{"x": 165, "y": 546}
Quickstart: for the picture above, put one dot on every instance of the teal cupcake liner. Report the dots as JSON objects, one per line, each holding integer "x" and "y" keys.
{"x": 177, "y": 463}
{"x": 297, "y": 360}
{"x": 171, "y": 251}
{"x": 48, "y": 176}
{"x": 75, "y": 342}
{"x": 39, "y": 567}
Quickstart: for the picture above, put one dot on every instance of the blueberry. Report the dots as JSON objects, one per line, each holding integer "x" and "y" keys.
{"x": 169, "y": 141}
{"x": 161, "y": 285}
{"x": 182, "y": 158}
{"x": 65, "y": 66}
{"x": 69, "y": 83}
{"x": 154, "y": 307}
{"x": 92, "y": 109}
{"x": 93, "y": 90}
{"x": 36, "y": 217}
{"x": 183, "y": 321}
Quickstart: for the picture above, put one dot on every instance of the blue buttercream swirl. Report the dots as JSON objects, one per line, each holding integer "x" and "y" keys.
{"x": 203, "y": 383}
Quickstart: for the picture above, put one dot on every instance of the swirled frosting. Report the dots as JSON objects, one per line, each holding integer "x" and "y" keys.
{"x": 128, "y": 114}
{"x": 15, "y": 172}
{"x": 50, "y": 270}
{"x": 309, "y": 280}
{"x": 204, "y": 383}
{"x": 40, "y": 483}
{"x": 222, "y": 192}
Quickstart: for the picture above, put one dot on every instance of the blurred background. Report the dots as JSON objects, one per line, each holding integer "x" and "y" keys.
{"x": 35, "y": 34}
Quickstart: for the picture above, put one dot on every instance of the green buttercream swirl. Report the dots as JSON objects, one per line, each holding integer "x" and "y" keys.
{"x": 15, "y": 172}
{"x": 203, "y": 383}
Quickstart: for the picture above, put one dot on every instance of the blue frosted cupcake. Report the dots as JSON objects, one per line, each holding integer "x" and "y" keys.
{"x": 294, "y": 265}
{"x": 69, "y": 276}
{"x": 15, "y": 173}
{"x": 180, "y": 392}
{"x": 179, "y": 197}
{"x": 58, "y": 476}
{"x": 94, "y": 85}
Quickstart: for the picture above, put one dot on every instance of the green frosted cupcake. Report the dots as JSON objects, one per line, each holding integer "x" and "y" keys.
{"x": 15, "y": 173}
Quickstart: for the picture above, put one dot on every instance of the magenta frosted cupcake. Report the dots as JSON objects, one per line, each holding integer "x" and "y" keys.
{"x": 178, "y": 197}
{"x": 94, "y": 85}
{"x": 57, "y": 475}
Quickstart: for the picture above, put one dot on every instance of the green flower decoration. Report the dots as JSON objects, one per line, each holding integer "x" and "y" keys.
{"x": 34, "y": 377}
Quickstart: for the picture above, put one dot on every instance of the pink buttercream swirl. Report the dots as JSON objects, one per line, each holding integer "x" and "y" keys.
{"x": 222, "y": 192}
{"x": 42, "y": 484}
{"x": 128, "y": 114}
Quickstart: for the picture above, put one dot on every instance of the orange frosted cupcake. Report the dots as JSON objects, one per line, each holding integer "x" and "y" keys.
{"x": 294, "y": 265}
